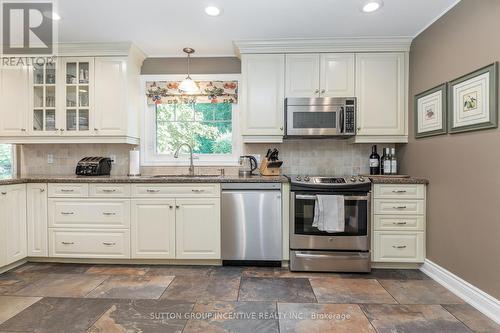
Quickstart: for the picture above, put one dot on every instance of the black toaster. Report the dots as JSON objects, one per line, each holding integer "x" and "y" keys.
{"x": 94, "y": 166}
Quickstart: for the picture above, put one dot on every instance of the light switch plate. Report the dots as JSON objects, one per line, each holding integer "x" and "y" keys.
{"x": 50, "y": 158}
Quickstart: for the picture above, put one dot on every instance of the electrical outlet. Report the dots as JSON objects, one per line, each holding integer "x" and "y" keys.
{"x": 50, "y": 158}
{"x": 113, "y": 159}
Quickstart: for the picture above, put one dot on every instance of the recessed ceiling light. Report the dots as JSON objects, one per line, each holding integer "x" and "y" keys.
{"x": 371, "y": 6}
{"x": 212, "y": 11}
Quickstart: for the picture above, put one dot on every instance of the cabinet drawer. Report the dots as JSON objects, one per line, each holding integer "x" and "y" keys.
{"x": 403, "y": 191}
{"x": 394, "y": 222}
{"x": 175, "y": 190}
{"x": 68, "y": 190}
{"x": 89, "y": 213}
{"x": 398, "y": 246}
{"x": 399, "y": 207}
{"x": 109, "y": 190}
{"x": 89, "y": 243}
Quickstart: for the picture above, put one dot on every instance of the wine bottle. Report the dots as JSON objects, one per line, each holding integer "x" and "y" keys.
{"x": 374, "y": 161}
{"x": 394, "y": 162}
{"x": 387, "y": 161}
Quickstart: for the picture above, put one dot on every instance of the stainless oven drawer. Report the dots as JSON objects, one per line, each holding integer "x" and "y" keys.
{"x": 329, "y": 261}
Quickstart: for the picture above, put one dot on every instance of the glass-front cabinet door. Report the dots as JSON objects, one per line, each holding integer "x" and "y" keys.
{"x": 44, "y": 102}
{"x": 78, "y": 83}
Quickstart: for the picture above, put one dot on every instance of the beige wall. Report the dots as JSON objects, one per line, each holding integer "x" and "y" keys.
{"x": 463, "y": 232}
{"x": 203, "y": 65}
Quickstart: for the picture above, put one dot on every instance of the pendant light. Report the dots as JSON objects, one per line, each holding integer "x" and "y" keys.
{"x": 188, "y": 86}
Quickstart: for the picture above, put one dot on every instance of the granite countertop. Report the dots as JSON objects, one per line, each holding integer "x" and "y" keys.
{"x": 398, "y": 180}
{"x": 144, "y": 179}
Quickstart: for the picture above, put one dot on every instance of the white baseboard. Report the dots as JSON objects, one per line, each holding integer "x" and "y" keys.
{"x": 487, "y": 304}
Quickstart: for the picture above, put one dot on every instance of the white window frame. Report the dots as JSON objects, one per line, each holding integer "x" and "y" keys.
{"x": 13, "y": 160}
{"x": 149, "y": 157}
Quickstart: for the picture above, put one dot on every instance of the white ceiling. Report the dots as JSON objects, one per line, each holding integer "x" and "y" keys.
{"x": 164, "y": 27}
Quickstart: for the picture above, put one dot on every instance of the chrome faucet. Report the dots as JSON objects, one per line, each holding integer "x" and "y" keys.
{"x": 191, "y": 165}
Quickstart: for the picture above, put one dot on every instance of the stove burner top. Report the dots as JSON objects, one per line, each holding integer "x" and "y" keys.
{"x": 325, "y": 181}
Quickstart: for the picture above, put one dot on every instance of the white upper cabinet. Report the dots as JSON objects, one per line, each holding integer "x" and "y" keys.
{"x": 320, "y": 75}
{"x": 337, "y": 75}
{"x": 381, "y": 91}
{"x": 110, "y": 117}
{"x": 91, "y": 99}
{"x": 302, "y": 75}
{"x": 78, "y": 92}
{"x": 14, "y": 100}
{"x": 262, "y": 97}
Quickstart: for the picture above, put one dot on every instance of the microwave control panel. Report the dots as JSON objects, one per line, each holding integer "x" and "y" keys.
{"x": 350, "y": 117}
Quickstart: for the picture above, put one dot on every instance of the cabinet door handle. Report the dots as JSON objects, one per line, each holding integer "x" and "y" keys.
{"x": 62, "y": 129}
{"x": 152, "y": 191}
{"x": 399, "y": 246}
{"x": 108, "y": 243}
{"x": 96, "y": 129}
{"x": 4, "y": 193}
{"x": 170, "y": 206}
{"x": 359, "y": 129}
{"x": 108, "y": 214}
{"x": 23, "y": 129}
{"x": 67, "y": 213}
{"x": 177, "y": 206}
{"x": 108, "y": 191}
{"x": 316, "y": 91}
{"x": 399, "y": 223}
{"x": 68, "y": 243}
{"x": 399, "y": 207}
{"x": 67, "y": 191}
{"x": 198, "y": 191}
{"x": 323, "y": 91}
{"x": 281, "y": 128}
{"x": 399, "y": 191}
{"x": 42, "y": 190}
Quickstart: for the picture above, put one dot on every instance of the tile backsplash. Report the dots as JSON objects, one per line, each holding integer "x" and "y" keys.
{"x": 318, "y": 157}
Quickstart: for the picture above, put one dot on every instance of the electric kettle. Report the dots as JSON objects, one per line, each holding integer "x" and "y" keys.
{"x": 247, "y": 165}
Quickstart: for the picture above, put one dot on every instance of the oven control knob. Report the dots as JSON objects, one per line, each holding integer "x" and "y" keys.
{"x": 307, "y": 178}
{"x": 353, "y": 179}
{"x": 298, "y": 178}
{"x": 361, "y": 179}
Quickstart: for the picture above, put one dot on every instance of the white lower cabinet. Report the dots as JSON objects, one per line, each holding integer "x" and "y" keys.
{"x": 13, "y": 237}
{"x": 398, "y": 223}
{"x": 36, "y": 220}
{"x": 89, "y": 243}
{"x": 153, "y": 228}
{"x": 198, "y": 228}
{"x": 395, "y": 246}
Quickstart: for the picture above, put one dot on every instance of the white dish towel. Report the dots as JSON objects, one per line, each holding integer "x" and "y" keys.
{"x": 329, "y": 213}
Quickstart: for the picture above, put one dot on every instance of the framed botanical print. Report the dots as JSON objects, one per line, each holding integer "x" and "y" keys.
{"x": 472, "y": 101}
{"x": 430, "y": 112}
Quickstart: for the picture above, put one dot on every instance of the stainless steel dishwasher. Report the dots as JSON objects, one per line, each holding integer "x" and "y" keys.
{"x": 251, "y": 223}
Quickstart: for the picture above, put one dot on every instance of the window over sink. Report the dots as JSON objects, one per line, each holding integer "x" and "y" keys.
{"x": 207, "y": 121}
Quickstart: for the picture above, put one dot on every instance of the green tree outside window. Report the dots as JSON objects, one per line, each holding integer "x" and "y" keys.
{"x": 207, "y": 127}
{"x": 5, "y": 161}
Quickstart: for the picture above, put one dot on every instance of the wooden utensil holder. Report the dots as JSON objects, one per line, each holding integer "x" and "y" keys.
{"x": 265, "y": 170}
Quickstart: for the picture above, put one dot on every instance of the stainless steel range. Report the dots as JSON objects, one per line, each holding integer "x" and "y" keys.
{"x": 312, "y": 248}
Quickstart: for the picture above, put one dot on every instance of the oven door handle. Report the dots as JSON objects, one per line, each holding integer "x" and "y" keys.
{"x": 346, "y": 198}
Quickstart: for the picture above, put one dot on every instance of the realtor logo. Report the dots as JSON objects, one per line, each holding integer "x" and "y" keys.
{"x": 27, "y": 28}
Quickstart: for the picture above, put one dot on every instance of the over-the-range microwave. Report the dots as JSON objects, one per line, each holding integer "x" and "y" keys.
{"x": 320, "y": 117}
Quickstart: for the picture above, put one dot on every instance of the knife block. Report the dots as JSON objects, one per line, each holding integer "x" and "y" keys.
{"x": 266, "y": 170}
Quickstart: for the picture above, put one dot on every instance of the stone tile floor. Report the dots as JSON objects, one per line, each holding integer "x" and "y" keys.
{"x": 53, "y": 298}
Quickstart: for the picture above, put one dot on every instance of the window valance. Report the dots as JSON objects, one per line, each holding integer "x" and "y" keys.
{"x": 167, "y": 92}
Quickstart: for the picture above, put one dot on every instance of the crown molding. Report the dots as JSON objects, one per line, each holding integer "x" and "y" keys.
{"x": 319, "y": 45}
{"x": 98, "y": 49}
